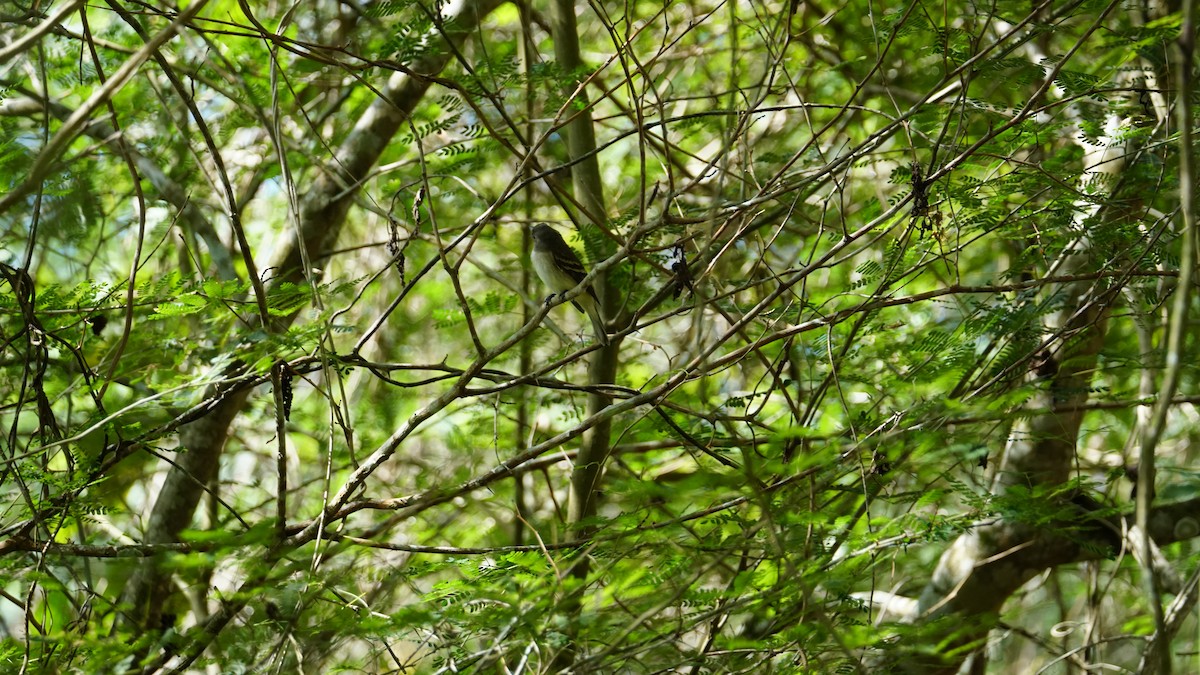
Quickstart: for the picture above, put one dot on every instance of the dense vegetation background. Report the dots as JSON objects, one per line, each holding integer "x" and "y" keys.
{"x": 902, "y": 375}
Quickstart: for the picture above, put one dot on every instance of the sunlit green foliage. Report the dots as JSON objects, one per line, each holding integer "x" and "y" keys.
{"x": 871, "y": 202}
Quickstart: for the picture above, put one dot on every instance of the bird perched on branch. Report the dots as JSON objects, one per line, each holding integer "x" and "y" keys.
{"x": 559, "y": 268}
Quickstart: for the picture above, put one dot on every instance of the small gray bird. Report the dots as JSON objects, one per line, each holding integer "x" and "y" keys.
{"x": 559, "y": 268}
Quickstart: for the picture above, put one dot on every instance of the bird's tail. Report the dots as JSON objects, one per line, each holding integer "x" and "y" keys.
{"x": 593, "y": 312}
